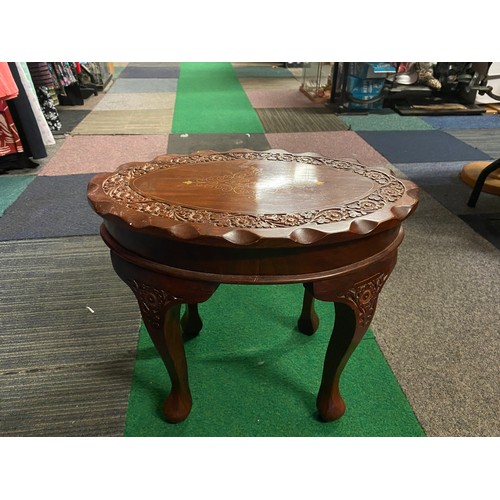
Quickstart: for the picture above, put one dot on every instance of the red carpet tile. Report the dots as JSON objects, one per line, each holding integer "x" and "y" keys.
{"x": 96, "y": 153}
{"x": 339, "y": 144}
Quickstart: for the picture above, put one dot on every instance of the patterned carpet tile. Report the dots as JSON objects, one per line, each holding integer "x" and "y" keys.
{"x": 150, "y": 72}
{"x": 117, "y": 102}
{"x": 487, "y": 141}
{"x": 143, "y": 85}
{"x": 67, "y": 357}
{"x": 346, "y": 144}
{"x": 285, "y": 120}
{"x": 83, "y": 154}
{"x": 421, "y": 146}
{"x": 149, "y": 121}
{"x": 280, "y": 99}
{"x": 67, "y": 401}
{"x": 181, "y": 144}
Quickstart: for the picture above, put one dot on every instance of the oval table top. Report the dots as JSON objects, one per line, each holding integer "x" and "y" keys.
{"x": 244, "y": 197}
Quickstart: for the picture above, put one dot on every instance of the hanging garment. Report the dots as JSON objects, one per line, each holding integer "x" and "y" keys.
{"x": 49, "y": 109}
{"x": 45, "y": 132}
{"x": 41, "y": 75}
{"x": 24, "y": 118}
{"x": 8, "y": 87}
{"x": 44, "y": 89}
{"x": 63, "y": 73}
{"x": 10, "y": 141}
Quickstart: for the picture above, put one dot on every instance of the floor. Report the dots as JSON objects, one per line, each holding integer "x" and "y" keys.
{"x": 438, "y": 318}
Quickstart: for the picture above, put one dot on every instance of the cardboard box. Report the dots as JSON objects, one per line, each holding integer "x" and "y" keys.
{"x": 371, "y": 70}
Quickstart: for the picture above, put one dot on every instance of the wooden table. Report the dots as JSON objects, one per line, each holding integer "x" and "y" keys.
{"x": 180, "y": 225}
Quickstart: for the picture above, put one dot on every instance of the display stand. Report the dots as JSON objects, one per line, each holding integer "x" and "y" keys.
{"x": 316, "y": 81}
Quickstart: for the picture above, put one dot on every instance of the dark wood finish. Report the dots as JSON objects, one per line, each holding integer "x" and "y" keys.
{"x": 308, "y": 321}
{"x": 180, "y": 225}
{"x": 191, "y": 322}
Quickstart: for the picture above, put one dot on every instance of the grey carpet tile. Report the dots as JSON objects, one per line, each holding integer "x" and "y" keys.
{"x": 150, "y": 72}
{"x": 72, "y": 401}
{"x": 143, "y": 85}
{"x": 181, "y": 144}
{"x": 486, "y": 140}
{"x": 51, "y": 207}
{"x": 68, "y": 335}
{"x": 437, "y": 324}
{"x": 487, "y": 225}
{"x": 150, "y": 64}
{"x": 70, "y": 118}
{"x": 442, "y": 181}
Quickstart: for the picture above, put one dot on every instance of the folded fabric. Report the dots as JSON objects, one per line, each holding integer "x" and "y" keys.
{"x": 8, "y": 87}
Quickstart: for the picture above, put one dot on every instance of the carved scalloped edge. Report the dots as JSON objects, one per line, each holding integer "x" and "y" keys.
{"x": 303, "y": 235}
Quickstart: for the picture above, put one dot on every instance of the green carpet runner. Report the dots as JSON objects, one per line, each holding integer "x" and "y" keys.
{"x": 211, "y": 100}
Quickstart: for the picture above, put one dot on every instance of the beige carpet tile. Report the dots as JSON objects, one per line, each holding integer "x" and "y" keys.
{"x": 99, "y": 153}
{"x": 123, "y": 102}
{"x": 437, "y": 323}
{"x": 150, "y": 121}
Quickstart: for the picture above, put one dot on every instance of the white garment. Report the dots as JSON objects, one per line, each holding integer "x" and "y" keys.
{"x": 45, "y": 132}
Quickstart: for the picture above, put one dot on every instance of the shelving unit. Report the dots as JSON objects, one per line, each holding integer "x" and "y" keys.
{"x": 456, "y": 97}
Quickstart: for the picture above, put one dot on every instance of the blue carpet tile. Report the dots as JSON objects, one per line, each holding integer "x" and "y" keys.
{"x": 463, "y": 122}
{"x": 421, "y": 146}
{"x": 51, "y": 207}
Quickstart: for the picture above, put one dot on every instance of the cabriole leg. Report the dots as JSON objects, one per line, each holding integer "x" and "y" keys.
{"x": 355, "y": 299}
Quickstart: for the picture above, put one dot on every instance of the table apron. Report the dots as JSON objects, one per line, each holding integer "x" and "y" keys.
{"x": 293, "y": 276}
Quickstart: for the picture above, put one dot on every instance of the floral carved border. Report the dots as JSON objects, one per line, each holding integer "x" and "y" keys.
{"x": 118, "y": 188}
{"x": 152, "y": 302}
{"x": 364, "y": 295}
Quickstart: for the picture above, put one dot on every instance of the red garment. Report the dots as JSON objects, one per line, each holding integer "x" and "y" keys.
{"x": 9, "y": 137}
{"x": 8, "y": 87}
